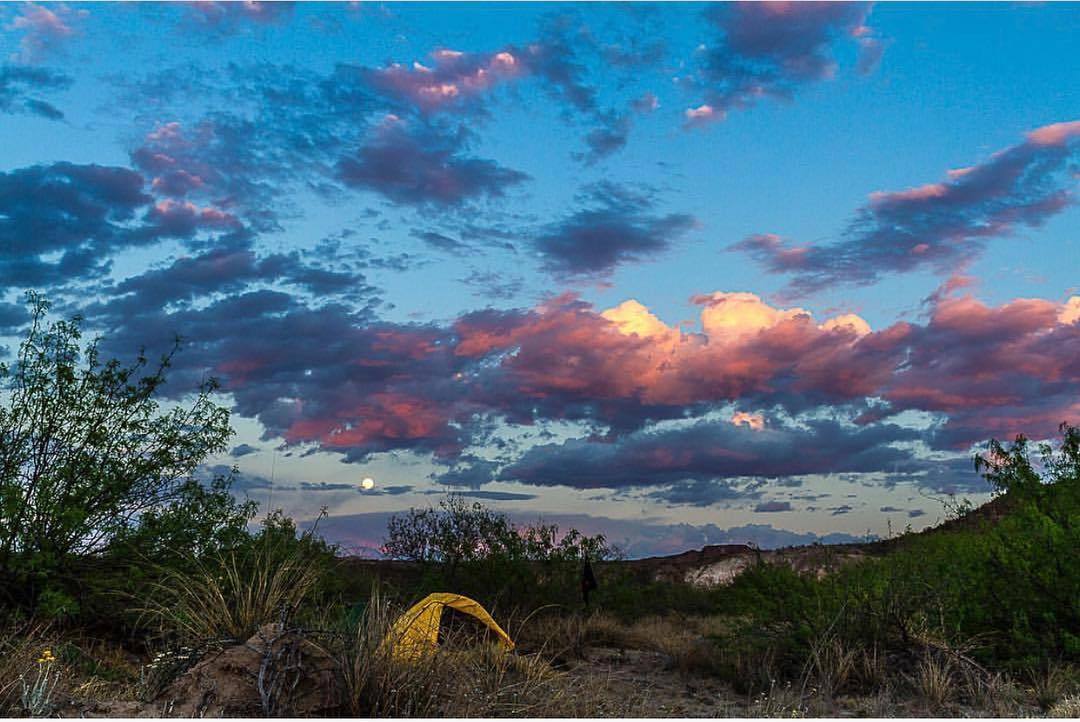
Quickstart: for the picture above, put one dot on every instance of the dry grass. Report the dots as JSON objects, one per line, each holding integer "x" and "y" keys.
{"x": 463, "y": 679}
{"x": 230, "y": 597}
{"x": 830, "y": 667}
{"x": 20, "y": 647}
{"x": 88, "y": 669}
{"x": 1067, "y": 707}
{"x": 1053, "y": 684}
{"x": 781, "y": 700}
{"x": 933, "y": 680}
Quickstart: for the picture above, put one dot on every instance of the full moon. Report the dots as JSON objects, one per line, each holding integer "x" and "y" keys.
{"x": 368, "y": 483}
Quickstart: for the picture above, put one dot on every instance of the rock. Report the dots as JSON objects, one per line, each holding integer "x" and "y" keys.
{"x": 275, "y": 673}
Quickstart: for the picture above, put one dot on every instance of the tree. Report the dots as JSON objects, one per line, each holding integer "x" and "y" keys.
{"x": 459, "y": 532}
{"x": 87, "y": 454}
{"x": 480, "y": 552}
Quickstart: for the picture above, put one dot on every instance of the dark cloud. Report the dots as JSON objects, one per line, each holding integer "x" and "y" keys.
{"x": 444, "y": 243}
{"x": 707, "y": 450}
{"x": 616, "y": 226}
{"x": 770, "y": 49}
{"x": 494, "y": 285}
{"x": 705, "y": 492}
{"x": 940, "y": 225}
{"x": 493, "y": 495}
{"x": 772, "y": 506}
{"x": 233, "y": 268}
{"x": 243, "y": 450}
{"x": 21, "y": 86}
{"x": 60, "y": 222}
{"x": 327, "y": 486}
{"x": 470, "y": 472}
{"x": 332, "y": 377}
{"x": 395, "y": 490}
{"x": 415, "y": 165}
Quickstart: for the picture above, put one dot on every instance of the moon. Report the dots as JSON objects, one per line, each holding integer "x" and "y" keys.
{"x": 368, "y": 483}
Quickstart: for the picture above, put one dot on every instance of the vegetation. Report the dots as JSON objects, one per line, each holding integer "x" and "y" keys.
{"x": 120, "y": 571}
{"x": 480, "y": 553}
{"x": 89, "y": 464}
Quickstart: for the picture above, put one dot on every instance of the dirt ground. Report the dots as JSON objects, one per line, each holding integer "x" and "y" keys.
{"x": 641, "y": 684}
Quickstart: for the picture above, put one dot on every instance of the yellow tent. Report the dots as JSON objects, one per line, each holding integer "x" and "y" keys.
{"x": 416, "y": 632}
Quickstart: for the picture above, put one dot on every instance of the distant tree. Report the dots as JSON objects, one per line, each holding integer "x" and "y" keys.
{"x": 88, "y": 458}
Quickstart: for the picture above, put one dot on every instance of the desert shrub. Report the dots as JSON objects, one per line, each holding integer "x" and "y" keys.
{"x": 1033, "y": 581}
{"x": 629, "y": 596}
{"x": 86, "y": 455}
{"x": 968, "y": 599}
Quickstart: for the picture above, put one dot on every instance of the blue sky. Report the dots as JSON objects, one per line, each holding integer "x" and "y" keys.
{"x": 681, "y": 273}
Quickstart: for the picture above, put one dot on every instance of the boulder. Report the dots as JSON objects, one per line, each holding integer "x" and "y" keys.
{"x": 275, "y": 673}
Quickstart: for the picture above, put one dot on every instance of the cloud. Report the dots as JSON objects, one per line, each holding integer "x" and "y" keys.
{"x": 44, "y": 28}
{"x": 624, "y": 367}
{"x": 331, "y": 377}
{"x": 413, "y": 164}
{"x": 229, "y": 17}
{"x": 450, "y": 79}
{"x": 614, "y": 128}
{"x": 224, "y": 163}
{"x": 711, "y": 450}
{"x": 60, "y": 222}
{"x": 616, "y": 226}
{"x": 941, "y": 225}
{"x": 232, "y": 269}
{"x": 755, "y": 392}
{"x": 20, "y": 87}
{"x": 773, "y": 506}
{"x": 770, "y": 49}
{"x": 992, "y": 371}
{"x": 494, "y": 285}
{"x": 242, "y": 450}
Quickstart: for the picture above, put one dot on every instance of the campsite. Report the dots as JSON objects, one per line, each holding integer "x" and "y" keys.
{"x": 548, "y": 359}
{"x": 278, "y": 623}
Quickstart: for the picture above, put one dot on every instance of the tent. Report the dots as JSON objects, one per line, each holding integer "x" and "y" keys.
{"x": 416, "y": 632}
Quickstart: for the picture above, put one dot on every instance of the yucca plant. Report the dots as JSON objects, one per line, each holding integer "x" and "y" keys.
{"x": 230, "y": 595}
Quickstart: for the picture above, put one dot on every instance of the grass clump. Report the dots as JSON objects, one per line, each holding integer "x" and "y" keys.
{"x": 231, "y": 594}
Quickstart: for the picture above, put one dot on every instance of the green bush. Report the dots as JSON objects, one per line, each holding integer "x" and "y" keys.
{"x": 1004, "y": 594}
{"x": 90, "y": 465}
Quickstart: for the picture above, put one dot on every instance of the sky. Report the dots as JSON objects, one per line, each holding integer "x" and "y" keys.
{"x": 680, "y": 274}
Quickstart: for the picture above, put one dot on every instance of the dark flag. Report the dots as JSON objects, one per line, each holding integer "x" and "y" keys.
{"x": 588, "y": 581}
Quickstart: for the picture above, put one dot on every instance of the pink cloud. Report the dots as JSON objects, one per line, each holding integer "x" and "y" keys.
{"x": 702, "y": 115}
{"x": 1055, "y": 133}
{"x": 944, "y": 224}
{"x": 45, "y": 28}
{"x": 450, "y": 79}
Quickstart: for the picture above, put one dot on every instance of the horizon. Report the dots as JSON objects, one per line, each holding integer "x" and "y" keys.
{"x": 679, "y": 274}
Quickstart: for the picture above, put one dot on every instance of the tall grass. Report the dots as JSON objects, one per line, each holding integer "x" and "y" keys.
{"x": 461, "y": 679}
{"x": 230, "y": 595}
